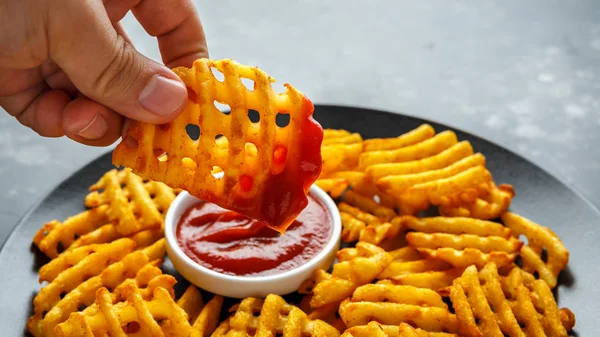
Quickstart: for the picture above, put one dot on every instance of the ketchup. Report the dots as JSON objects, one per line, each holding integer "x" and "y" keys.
{"x": 231, "y": 243}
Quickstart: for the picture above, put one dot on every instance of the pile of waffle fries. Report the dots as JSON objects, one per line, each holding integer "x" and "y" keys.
{"x": 476, "y": 269}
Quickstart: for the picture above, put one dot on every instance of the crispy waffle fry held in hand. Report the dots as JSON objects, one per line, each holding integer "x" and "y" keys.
{"x": 133, "y": 316}
{"x": 542, "y": 243}
{"x": 374, "y": 329}
{"x": 267, "y": 169}
{"x": 271, "y": 317}
{"x": 394, "y": 304}
{"x": 488, "y": 304}
{"x": 462, "y": 241}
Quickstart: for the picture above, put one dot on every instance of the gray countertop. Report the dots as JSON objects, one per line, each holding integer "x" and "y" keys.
{"x": 524, "y": 74}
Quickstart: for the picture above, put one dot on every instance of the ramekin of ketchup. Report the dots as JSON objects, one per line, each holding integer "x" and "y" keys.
{"x": 232, "y": 255}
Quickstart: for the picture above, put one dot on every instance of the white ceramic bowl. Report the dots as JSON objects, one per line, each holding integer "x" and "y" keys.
{"x": 246, "y": 286}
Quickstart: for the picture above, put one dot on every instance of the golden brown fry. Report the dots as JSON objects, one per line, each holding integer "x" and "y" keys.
{"x": 414, "y": 136}
{"x": 369, "y": 205}
{"x": 399, "y": 183}
{"x": 424, "y": 149}
{"x": 485, "y": 207}
{"x": 518, "y": 309}
{"x": 347, "y": 139}
{"x": 369, "y": 260}
{"x": 443, "y": 191}
{"x": 135, "y": 265}
{"x": 127, "y": 196}
{"x": 54, "y": 236}
{"x": 443, "y": 159}
{"x": 478, "y": 242}
{"x": 134, "y": 314}
{"x": 540, "y": 240}
{"x": 208, "y": 320}
{"x": 374, "y": 329}
{"x": 327, "y": 313}
{"x": 191, "y": 302}
{"x": 393, "y": 304}
{"x": 409, "y": 267}
{"x": 335, "y": 133}
{"x": 334, "y": 186}
{"x": 340, "y": 157}
{"x": 269, "y": 317}
{"x": 69, "y": 277}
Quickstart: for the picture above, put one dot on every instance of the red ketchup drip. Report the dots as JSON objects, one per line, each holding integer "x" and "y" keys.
{"x": 230, "y": 243}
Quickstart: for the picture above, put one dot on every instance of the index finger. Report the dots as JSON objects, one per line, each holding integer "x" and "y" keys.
{"x": 176, "y": 24}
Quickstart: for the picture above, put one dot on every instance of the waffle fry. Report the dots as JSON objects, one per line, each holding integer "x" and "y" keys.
{"x": 54, "y": 237}
{"x": 518, "y": 310}
{"x": 366, "y": 263}
{"x": 462, "y": 241}
{"x": 112, "y": 215}
{"x": 409, "y": 267}
{"x": 158, "y": 316}
{"x": 133, "y": 204}
{"x": 443, "y": 159}
{"x": 542, "y": 242}
{"x": 464, "y": 187}
{"x": 340, "y": 157}
{"x": 486, "y": 207}
{"x": 399, "y": 183}
{"x": 355, "y": 221}
{"x": 362, "y": 184}
{"x": 412, "y": 137}
{"x": 426, "y": 148}
{"x": 327, "y": 313}
{"x": 68, "y": 271}
{"x": 334, "y": 186}
{"x": 369, "y": 205}
{"x": 374, "y": 329}
{"x": 394, "y": 304}
{"x": 287, "y": 160}
{"x": 269, "y": 317}
{"x": 136, "y": 265}
{"x": 349, "y": 138}
{"x": 204, "y": 318}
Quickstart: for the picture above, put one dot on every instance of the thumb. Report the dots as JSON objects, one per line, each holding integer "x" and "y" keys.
{"x": 107, "y": 69}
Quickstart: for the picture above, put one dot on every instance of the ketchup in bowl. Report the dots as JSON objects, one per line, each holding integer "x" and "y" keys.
{"x": 230, "y": 243}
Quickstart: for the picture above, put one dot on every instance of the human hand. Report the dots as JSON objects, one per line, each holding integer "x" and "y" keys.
{"x": 68, "y": 68}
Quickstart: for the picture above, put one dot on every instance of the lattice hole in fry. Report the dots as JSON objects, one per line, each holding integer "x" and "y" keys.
{"x": 462, "y": 241}
{"x": 286, "y": 162}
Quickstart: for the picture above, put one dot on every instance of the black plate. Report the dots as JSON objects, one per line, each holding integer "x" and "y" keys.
{"x": 539, "y": 196}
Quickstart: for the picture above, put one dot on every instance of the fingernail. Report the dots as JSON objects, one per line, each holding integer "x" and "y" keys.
{"x": 95, "y": 129}
{"x": 163, "y": 96}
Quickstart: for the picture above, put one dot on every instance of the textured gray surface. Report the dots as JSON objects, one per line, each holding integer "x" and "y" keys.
{"x": 524, "y": 74}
